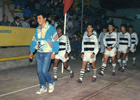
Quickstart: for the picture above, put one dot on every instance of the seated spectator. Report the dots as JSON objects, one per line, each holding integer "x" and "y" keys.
{"x": 70, "y": 25}
{"x": 25, "y": 23}
{"x": 68, "y": 34}
{"x": 76, "y": 25}
{"x": 79, "y": 46}
{"x": 31, "y": 4}
{"x": 5, "y": 21}
{"x": 32, "y": 24}
{"x": 73, "y": 48}
{"x": 57, "y": 10}
{"x": 16, "y": 22}
{"x": 27, "y": 12}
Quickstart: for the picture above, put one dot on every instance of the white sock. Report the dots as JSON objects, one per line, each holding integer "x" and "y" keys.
{"x": 82, "y": 72}
{"x": 94, "y": 73}
{"x": 134, "y": 59}
{"x": 69, "y": 69}
{"x": 113, "y": 65}
{"x": 55, "y": 72}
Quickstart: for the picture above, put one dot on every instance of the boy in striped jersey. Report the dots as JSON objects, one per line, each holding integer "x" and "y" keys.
{"x": 89, "y": 51}
{"x": 110, "y": 41}
{"x": 100, "y": 40}
{"x": 64, "y": 50}
{"x": 134, "y": 43}
{"x": 123, "y": 46}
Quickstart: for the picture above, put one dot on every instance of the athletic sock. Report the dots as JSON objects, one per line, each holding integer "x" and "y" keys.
{"x": 69, "y": 69}
{"x": 82, "y": 72}
{"x": 55, "y": 72}
{"x": 94, "y": 73}
{"x": 113, "y": 65}
{"x": 126, "y": 58}
{"x": 88, "y": 66}
{"x": 134, "y": 59}
{"x": 103, "y": 68}
{"x": 110, "y": 60}
{"x": 102, "y": 60}
{"x": 124, "y": 62}
{"x": 119, "y": 61}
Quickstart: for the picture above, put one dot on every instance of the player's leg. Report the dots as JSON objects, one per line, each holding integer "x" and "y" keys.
{"x": 134, "y": 58}
{"x": 82, "y": 71}
{"x": 87, "y": 68}
{"x": 55, "y": 69}
{"x": 113, "y": 65}
{"x": 124, "y": 62}
{"x": 119, "y": 59}
{"x": 104, "y": 64}
{"x": 94, "y": 71}
{"x": 68, "y": 68}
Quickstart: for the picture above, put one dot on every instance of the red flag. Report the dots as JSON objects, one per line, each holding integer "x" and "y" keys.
{"x": 67, "y": 5}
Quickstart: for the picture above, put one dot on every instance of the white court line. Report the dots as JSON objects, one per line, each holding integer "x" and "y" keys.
{"x": 30, "y": 87}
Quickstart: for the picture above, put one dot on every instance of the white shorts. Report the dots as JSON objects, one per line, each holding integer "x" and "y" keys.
{"x": 87, "y": 57}
{"x": 122, "y": 49}
{"x": 111, "y": 53}
{"x": 61, "y": 56}
{"x": 131, "y": 49}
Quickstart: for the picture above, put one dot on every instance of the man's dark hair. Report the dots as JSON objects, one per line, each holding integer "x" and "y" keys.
{"x": 116, "y": 27}
{"x": 4, "y": 15}
{"x": 111, "y": 24}
{"x": 16, "y": 18}
{"x": 61, "y": 27}
{"x": 91, "y": 24}
{"x": 124, "y": 25}
{"x": 43, "y": 14}
{"x": 105, "y": 26}
{"x": 130, "y": 26}
{"x": 26, "y": 18}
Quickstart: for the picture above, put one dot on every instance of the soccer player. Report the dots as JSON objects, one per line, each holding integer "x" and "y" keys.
{"x": 64, "y": 50}
{"x": 123, "y": 46}
{"x": 89, "y": 51}
{"x": 134, "y": 43}
{"x": 110, "y": 42}
{"x": 100, "y": 40}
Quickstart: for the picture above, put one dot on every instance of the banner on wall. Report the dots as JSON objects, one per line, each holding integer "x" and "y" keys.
{"x": 16, "y": 36}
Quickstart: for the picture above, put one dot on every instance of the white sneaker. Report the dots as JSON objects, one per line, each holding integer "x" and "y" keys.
{"x": 43, "y": 89}
{"x": 51, "y": 87}
{"x": 72, "y": 58}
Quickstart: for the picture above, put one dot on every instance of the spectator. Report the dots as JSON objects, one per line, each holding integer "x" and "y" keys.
{"x": 22, "y": 3}
{"x": 70, "y": 25}
{"x": 5, "y": 21}
{"x": 56, "y": 21}
{"x": 79, "y": 46}
{"x": 26, "y": 22}
{"x": 27, "y": 11}
{"x": 31, "y": 4}
{"x": 76, "y": 25}
{"x": 32, "y": 24}
{"x": 57, "y": 10}
{"x": 16, "y": 22}
{"x": 73, "y": 48}
{"x": 68, "y": 34}
{"x": 46, "y": 8}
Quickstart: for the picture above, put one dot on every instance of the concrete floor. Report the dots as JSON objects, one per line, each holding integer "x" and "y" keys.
{"x": 22, "y": 83}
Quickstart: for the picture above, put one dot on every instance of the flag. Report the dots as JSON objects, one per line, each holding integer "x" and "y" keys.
{"x": 67, "y": 5}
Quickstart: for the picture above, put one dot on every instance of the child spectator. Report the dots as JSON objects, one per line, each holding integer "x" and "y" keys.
{"x": 25, "y": 23}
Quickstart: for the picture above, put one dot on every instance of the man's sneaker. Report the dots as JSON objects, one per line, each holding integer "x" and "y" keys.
{"x": 133, "y": 64}
{"x": 119, "y": 68}
{"x": 113, "y": 73}
{"x": 43, "y": 89}
{"x": 51, "y": 87}
{"x": 78, "y": 81}
{"x": 72, "y": 74}
{"x": 86, "y": 71}
{"x": 100, "y": 73}
{"x": 93, "y": 79}
{"x": 72, "y": 58}
{"x": 122, "y": 70}
{"x": 54, "y": 79}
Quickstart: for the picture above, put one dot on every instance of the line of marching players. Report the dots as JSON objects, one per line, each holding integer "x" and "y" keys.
{"x": 110, "y": 43}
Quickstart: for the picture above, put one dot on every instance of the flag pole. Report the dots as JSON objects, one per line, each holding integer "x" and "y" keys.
{"x": 65, "y": 20}
{"x": 82, "y": 16}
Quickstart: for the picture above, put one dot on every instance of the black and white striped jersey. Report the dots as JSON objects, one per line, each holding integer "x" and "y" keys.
{"x": 134, "y": 38}
{"x": 110, "y": 39}
{"x": 124, "y": 39}
{"x": 64, "y": 44}
{"x": 90, "y": 43}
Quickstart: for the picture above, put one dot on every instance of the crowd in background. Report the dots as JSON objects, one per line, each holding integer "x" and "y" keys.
{"x": 54, "y": 10}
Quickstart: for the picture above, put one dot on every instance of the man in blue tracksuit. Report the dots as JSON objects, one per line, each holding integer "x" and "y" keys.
{"x": 45, "y": 41}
